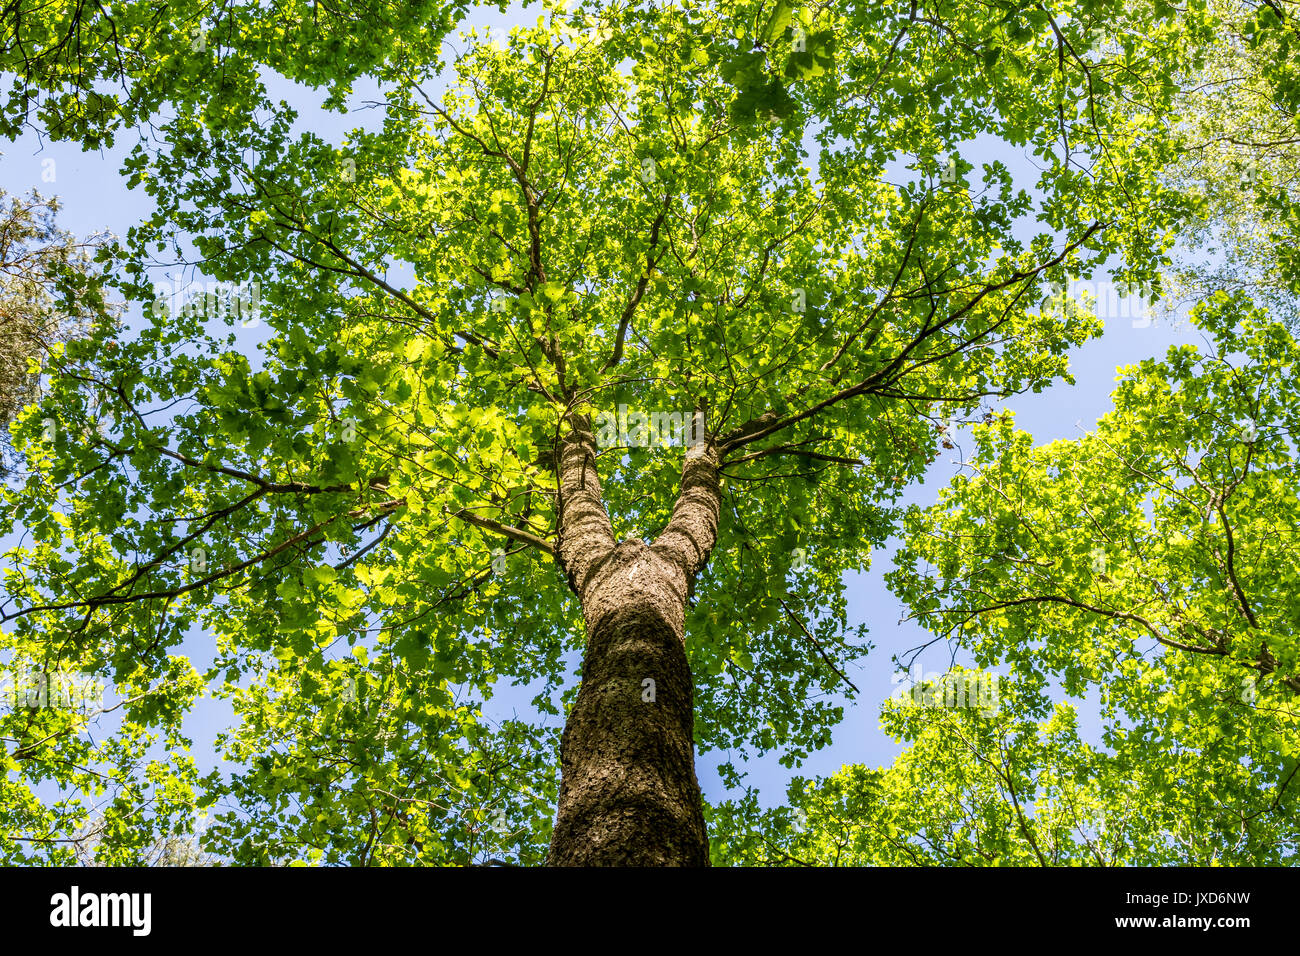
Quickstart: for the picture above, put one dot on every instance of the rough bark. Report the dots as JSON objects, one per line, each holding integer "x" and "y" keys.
{"x": 629, "y": 795}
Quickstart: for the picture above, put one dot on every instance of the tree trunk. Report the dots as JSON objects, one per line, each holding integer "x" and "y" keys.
{"x": 628, "y": 794}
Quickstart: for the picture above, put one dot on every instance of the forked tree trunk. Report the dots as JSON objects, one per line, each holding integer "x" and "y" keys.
{"x": 628, "y": 794}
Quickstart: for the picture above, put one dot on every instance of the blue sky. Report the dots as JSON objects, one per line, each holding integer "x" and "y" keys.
{"x": 95, "y": 198}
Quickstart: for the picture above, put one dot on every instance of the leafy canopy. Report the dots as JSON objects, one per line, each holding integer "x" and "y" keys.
{"x": 1151, "y": 563}
{"x": 757, "y": 215}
